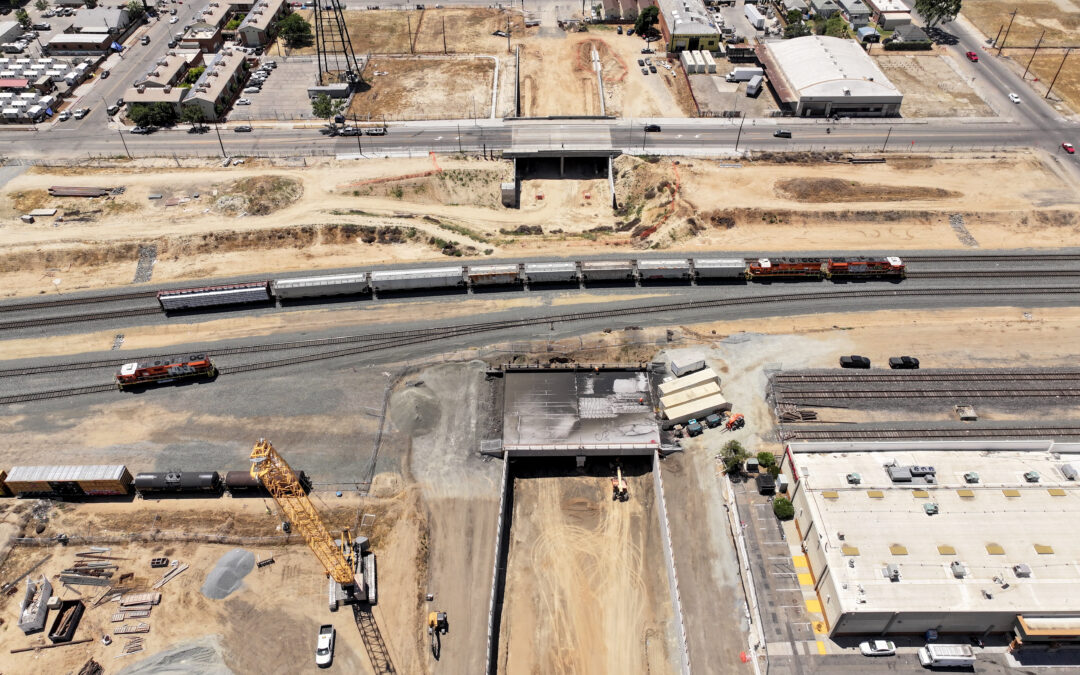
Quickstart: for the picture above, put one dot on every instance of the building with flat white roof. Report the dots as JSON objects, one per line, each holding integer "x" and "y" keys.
{"x": 820, "y": 76}
{"x": 686, "y": 24}
{"x": 888, "y": 14}
{"x": 971, "y": 537}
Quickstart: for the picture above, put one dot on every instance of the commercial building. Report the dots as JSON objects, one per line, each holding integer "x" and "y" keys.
{"x": 10, "y": 31}
{"x": 78, "y": 44}
{"x": 819, "y": 76}
{"x": 963, "y": 537}
{"x": 218, "y": 85}
{"x": 888, "y": 14}
{"x": 112, "y": 21}
{"x": 257, "y": 28}
{"x": 686, "y": 24}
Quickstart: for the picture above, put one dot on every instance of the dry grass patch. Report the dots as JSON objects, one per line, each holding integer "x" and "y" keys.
{"x": 29, "y": 200}
{"x": 1032, "y": 18}
{"x": 258, "y": 195}
{"x": 1046, "y": 64}
{"x": 827, "y": 190}
{"x": 426, "y": 89}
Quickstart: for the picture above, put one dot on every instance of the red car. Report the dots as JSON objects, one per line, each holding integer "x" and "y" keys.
{"x": 1068, "y": 147}
{"x": 973, "y": 57}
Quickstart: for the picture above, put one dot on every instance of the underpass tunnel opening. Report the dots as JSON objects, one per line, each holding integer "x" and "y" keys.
{"x": 570, "y": 168}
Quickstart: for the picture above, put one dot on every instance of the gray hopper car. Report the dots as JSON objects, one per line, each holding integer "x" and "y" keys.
{"x": 312, "y": 287}
{"x": 664, "y": 269}
{"x": 494, "y": 275}
{"x": 720, "y": 268}
{"x": 607, "y": 270}
{"x": 405, "y": 280}
{"x": 215, "y": 296}
{"x": 557, "y": 272}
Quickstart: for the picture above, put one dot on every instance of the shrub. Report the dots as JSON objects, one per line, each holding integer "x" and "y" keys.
{"x": 782, "y": 508}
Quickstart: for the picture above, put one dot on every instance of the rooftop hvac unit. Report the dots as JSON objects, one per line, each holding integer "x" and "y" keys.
{"x": 892, "y": 572}
{"x": 1032, "y": 476}
{"x": 1022, "y": 571}
{"x": 854, "y": 479}
{"x": 142, "y": 88}
{"x": 931, "y": 509}
{"x": 1069, "y": 471}
{"x": 899, "y": 474}
{"x": 922, "y": 471}
{"x": 168, "y": 88}
{"x": 958, "y": 569}
{"x": 971, "y": 477}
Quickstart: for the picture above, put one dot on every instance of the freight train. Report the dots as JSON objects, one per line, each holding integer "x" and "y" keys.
{"x": 75, "y": 482}
{"x": 521, "y": 274}
{"x": 169, "y": 369}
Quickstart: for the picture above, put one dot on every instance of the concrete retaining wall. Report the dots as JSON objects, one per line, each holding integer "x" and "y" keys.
{"x": 498, "y": 573}
{"x": 669, "y": 563}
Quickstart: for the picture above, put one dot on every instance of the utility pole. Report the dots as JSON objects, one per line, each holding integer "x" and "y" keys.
{"x": 359, "y": 132}
{"x": 459, "y": 139}
{"x": 444, "y": 34}
{"x": 1000, "y": 28}
{"x": 1037, "y": 44}
{"x": 128, "y": 152}
{"x": 409, "y": 19}
{"x": 1067, "y": 51}
{"x": 507, "y": 34}
{"x": 1002, "y": 45}
{"x": 218, "y": 132}
{"x": 886, "y": 139}
{"x": 742, "y": 120}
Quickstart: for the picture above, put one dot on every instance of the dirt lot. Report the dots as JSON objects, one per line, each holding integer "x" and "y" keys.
{"x": 275, "y": 614}
{"x": 1045, "y": 66}
{"x": 383, "y": 211}
{"x": 410, "y": 89}
{"x": 1059, "y": 18}
{"x": 931, "y": 86}
{"x": 585, "y": 584}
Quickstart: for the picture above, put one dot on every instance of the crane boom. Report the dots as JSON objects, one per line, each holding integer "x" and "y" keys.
{"x": 281, "y": 481}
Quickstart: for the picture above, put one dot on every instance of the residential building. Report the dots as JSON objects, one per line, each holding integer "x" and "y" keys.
{"x": 170, "y": 69}
{"x": 204, "y": 37}
{"x": 215, "y": 89}
{"x": 686, "y": 25}
{"x": 820, "y": 76}
{"x": 910, "y": 33}
{"x": 824, "y": 8}
{"x": 257, "y": 29}
{"x": 146, "y": 94}
{"x": 855, "y": 12}
{"x": 800, "y": 5}
{"x": 888, "y": 14}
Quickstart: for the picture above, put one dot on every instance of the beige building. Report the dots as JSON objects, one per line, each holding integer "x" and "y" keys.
{"x": 214, "y": 91}
{"x": 962, "y": 537}
{"x": 160, "y": 83}
{"x": 257, "y": 28}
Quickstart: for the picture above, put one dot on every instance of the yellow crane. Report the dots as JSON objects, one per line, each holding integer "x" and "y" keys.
{"x": 281, "y": 481}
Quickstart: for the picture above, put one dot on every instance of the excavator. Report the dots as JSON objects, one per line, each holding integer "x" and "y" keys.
{"x": 437, "y": 626}
{"x": 619, "y": 492}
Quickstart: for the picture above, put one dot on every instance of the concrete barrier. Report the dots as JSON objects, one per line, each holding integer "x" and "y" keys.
{"x": 669, "y": 563}
{"x": 498, "y": 572}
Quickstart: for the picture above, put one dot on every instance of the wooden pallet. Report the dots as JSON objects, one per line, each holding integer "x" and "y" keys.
{"x": 132, "y": 599}
{"x": 140, "y": 627}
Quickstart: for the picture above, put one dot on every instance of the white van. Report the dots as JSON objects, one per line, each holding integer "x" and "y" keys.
{"x": 946, "y": 656}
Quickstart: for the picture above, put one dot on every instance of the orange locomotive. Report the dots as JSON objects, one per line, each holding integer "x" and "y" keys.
{"x": 825, "y": 268}
{"x": 168, "y": 369}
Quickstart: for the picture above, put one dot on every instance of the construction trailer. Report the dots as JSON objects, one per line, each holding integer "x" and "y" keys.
{"x": 688, "y": 381}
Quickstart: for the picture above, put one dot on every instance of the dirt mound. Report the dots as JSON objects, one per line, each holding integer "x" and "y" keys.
{"x": 258, "y": 195}
{"x": 827, "y": 190}
{"x": 228, "y": 574}
{"x": 415, "y": 410}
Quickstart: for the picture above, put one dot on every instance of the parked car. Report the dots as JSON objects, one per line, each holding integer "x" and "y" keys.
{"x": 64, "y": 116}
{"x": 120, "y": 101}
{"x": 113, "y": 109}
{"x": 375, "y": 131}
{"x": 173, "y": 19}
{"x": 81, "y": 113}
{"x": 144, "y": 40}
{"x": 242, "y": 128}
{"x": 104, "y": 74}
{"x": 641, "y": 62}
{"x": 854, "y": 361}
{"x": 973, "y": 57}
{"x": 173, "y": 42}
{"x": 1068, "y": 147}
{"x": 243, "y": 101}
{"x": 629, "y": 31}
{"x": 173, "y": 12}
{"x": 878, "y": 648}
{"x": 324, "y": 648}
{"x": 1014, "y": 98}
{"x": 782, "y": 133}
{"x": 652, "y": 69}
{"x": 644, "y": 71}
{"x": 143, "y": 130}
{"x": 618, "y": 29}
{"x": 904, "y": 363}
{"x": 252, "y": 90}
{"x": 42, "y": 26}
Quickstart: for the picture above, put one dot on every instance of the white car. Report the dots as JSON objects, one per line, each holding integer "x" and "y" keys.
{"x": 324, "y": 650}
{"x": 173, "y": 19}
{"x": 243, "y": 101}
{"x": 878, "y": 648}
{"x": 1014, "y": 98}
{"x": 64, "y": 116}
{"x": 81, "y": 113}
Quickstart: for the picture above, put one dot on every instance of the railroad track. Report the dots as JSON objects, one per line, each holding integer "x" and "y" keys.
{"x": 991, "y": 274}
{"x": 789, "y": 434}
{"x": 67, "y": 302}
{"x": 831, "y": 395}
{"x": 434, "y": 334}
{"x": 1047, "y": 257}
{"x": 925, "y": 376}
{"x": 75, "y": 318}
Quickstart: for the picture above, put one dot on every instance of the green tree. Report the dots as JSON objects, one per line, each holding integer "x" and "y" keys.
{"x": 192, "y": 76}
{"x": 22, "y": 17}
{"x": 324, "y": 107}
{"x": 136, "y": 10}
{"x": 90, "y": 4}
{"x": 937, "y": 11}
{"x": 41, "y": 5}
{"x": 733, "y": 455}
{"x": 648, "y": 17}
{"x": 766, "y": 459}
{"x": 152, "y": 114}
{"x": 295, "y": 31}
{"x": 795, "y": 26}
{"x": 193, "y": 115}
{"x": 835, "y": 26}
{"x": 782, "y": 508}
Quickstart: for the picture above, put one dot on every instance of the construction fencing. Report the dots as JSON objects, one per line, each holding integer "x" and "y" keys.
{"x": 498, "y": 573}
{"x": 669, "y": 563}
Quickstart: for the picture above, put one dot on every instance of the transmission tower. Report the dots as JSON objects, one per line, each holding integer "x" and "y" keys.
{"x": 337, "y": 63}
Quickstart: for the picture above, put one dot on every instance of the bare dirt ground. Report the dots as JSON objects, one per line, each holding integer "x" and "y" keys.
{"x": 390, "y": 210}
{"x": 408, "y": 89}
{"x": 1059, "y": 18}
{"x": 275, "y": 614}
{"x": 1045, "y": 66}
{"x": 931, "y": 85}
{"x": 585, "y": 586}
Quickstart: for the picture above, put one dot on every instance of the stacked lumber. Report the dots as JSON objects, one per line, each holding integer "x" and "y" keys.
{"x": 73, "y": 191}
{"x": 133, "y": 645}
{"x": 141, "y": 627}
{"x": 170, "y": 576}
{"x": 133, "y": 599}
{"x": 91, "y": 667}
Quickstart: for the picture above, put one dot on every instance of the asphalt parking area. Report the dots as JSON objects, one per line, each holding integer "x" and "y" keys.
{"x": 284, "y": 95}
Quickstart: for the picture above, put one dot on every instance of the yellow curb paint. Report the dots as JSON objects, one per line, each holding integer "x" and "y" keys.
{"x": 805, "y": 579}
{"x": 813, "y": 605}
{"x": 800, "y": 561}
{"x": 820, "y": 647}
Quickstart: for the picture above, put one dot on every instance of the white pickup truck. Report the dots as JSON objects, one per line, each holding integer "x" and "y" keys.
{"x": 324, "y": 650}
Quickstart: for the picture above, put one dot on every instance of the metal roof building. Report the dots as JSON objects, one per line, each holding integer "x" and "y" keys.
{"x": 819, "y": 76}
{"x": 686, "y": 24}
{"x": 968, "y": 537}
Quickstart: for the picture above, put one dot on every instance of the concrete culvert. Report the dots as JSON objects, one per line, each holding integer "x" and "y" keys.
{"x": 228, "y": 574}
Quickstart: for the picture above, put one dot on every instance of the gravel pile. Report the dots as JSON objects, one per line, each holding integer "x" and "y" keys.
{"x": 956, "y": 222}
{"x": 145, "y": 268}
{"x": 198, "y": 657}
{"x": 228, "y": 574}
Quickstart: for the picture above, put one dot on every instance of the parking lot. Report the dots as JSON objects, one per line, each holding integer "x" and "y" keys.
{"x": 285, "y": 95}
{"x": 715, "y": 95}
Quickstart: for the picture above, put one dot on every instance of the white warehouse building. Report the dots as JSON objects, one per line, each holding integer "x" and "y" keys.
{"x": 819, "y": 76}
{"x": 961, "y": 537}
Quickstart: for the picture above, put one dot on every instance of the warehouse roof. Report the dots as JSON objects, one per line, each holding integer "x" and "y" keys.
{"x": 1012, "y": 538}
{"x": 822, "y": 67}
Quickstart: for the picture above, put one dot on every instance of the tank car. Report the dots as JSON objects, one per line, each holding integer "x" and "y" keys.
{"x": 178, "y": 482}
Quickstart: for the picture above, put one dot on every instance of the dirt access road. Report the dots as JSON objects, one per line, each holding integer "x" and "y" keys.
{"x": 586, "y": 590}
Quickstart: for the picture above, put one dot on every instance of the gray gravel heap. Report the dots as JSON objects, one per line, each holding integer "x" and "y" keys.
{"x": 228, "y": 574}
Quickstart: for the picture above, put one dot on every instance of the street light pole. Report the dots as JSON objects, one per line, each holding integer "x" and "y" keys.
{"x": 218, "y": 132}
{"x": 886, "y": 139}
{"x": 359, "y": 131}
{"x": 742, "y": 121}
{"x": 128, "y": 152}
